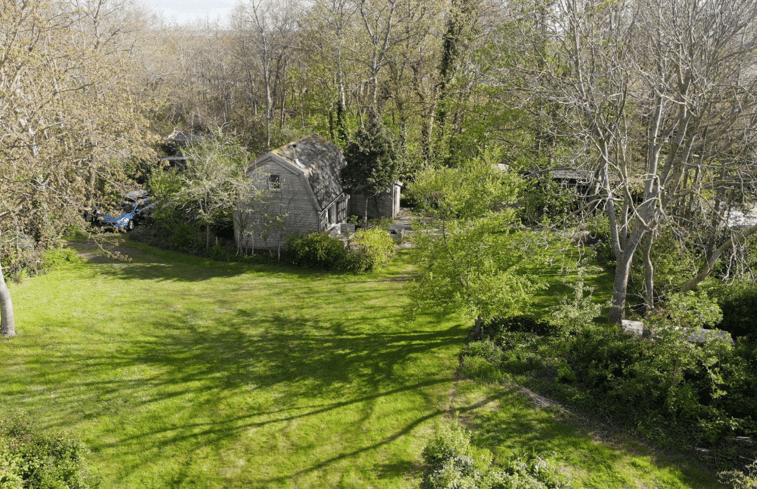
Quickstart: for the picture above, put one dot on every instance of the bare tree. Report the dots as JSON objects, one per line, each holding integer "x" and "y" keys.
{"x": 387, "y": 25}
{"x": 266, "y": 34}
{"x": 662, "y": 94}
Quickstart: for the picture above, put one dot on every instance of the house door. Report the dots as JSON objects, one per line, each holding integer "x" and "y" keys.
{"x": 332, "y": 214}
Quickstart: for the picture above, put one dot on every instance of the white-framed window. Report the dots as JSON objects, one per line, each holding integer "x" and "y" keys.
{"x": 274, "y": 182}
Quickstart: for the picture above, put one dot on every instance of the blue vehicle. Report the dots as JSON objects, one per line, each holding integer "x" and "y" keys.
{"x": 136, "y": 205}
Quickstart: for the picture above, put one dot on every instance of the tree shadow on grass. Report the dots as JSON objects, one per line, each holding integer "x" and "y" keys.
{"x": 314, "y": 367}
{"x": 187, "y": 377}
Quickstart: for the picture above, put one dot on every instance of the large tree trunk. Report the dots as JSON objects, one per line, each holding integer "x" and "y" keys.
{"x": 620, "y": 286}
{"x": 7, "y": 321}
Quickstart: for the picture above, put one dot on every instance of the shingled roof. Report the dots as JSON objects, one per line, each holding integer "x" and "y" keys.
{"x": 321, "y": 161}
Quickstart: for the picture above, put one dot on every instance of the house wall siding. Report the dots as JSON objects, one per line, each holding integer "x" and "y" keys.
{"x": 292, "y": 198}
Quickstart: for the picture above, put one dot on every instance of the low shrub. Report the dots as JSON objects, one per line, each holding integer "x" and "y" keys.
{"x": 737, "y": 479}
{"x": 317, "y": 250}
{"x": 370, "y": 249}
{"x": 183, "y": 238}
{"x": 688, "y": 310}
{"x": 452, "y": 441}
{"x": 520, "y": 324}
{"x": 451, "y": 462}
{"x": 383, "y": 223}
{"x": 528, "y": 471}
{"x": 224, "y": 251}
{"x": 59, "y": 256}
{"x": 32, "y": 459}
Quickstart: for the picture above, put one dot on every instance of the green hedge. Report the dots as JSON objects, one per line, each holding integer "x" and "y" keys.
{"x": 317, "y": 250}
{"x": 370, "y": 249}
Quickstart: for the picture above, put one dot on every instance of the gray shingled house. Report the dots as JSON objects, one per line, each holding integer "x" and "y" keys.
{"x": 298, "y": 190}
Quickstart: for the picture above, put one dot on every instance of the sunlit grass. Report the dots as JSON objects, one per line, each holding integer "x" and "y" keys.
{"x": 181, "y": 372}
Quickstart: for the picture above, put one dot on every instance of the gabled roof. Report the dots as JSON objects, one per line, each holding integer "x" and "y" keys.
{"x": 321, "y": 161}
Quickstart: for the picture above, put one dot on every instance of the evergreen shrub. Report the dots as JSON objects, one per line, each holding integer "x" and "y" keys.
{"x": 183, "y": 238}
{"x": 317, "y": 250}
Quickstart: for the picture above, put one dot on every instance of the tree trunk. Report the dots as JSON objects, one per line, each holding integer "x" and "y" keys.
{"x": 365, "y": 211}
{"x": 7, "y": 321}
{"x": 648, "y": 272}
{"x": 478, "y": 331}
{"x": 620, "y": 287}
{"x": 709, "y": 264}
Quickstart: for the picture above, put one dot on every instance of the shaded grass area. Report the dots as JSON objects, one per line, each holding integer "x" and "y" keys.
{"x": 591, "y": 456}
{"x": 181, "y": 372}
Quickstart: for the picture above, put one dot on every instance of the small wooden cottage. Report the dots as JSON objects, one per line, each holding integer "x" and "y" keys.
{"x": 297, "y": 190}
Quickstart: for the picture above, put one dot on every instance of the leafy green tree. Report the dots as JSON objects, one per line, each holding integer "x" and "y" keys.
{"x": 372, "y": 161}
{"x": 473, "y": 256}
{"x": 211, "y": 186}
{"x": 474, "y": 189}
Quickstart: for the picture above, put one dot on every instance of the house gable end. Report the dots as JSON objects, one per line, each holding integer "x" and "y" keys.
{"x": 294, "y": 179}
{"x": 322, "y": 162}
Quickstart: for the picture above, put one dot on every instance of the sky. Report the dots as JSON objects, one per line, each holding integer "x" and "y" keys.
{"x": 183, "y": 11}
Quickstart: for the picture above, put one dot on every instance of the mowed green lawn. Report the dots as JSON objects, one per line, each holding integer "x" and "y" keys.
{"x": 180, "y": 372}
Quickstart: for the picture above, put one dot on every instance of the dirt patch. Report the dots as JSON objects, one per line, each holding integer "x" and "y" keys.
{"x": 540, "y": 401}
{"x": 104, "y": 253}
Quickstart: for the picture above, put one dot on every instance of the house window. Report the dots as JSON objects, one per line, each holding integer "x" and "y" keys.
{"x": 274, "y": 182}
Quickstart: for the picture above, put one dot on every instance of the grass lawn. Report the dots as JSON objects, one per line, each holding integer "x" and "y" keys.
{"x": 180, "y": 372}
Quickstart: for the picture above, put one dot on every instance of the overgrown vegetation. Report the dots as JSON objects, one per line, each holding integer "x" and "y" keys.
{"x": 666, "y": 388}
{"x": 197, "y": 201}
{"x": 367, "y": 250}
{"x": 452, "y": 462}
